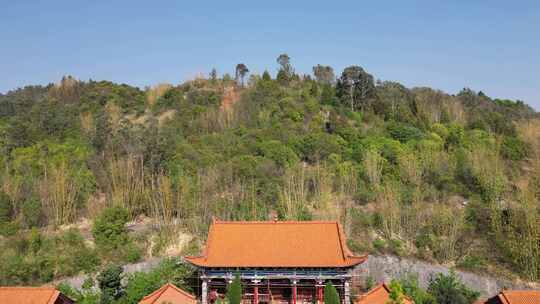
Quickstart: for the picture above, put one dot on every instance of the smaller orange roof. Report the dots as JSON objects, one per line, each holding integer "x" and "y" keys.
{"x": 32, "y": 295}
{"x": 380, "y": 294}
{"x": 169, "y": 293}
{"x": 519, "y": 296}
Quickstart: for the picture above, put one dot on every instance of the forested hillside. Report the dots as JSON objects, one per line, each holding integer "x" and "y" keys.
{"x": 453, "y": 179}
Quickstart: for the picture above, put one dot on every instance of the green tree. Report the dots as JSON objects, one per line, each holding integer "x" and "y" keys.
{"x": 234, "y": 291}
{"x": 396, "y": 293}
{"x": 356, "y": 87}
{"x": 109, "y": 229}
{"x": 286, "y": 71}
{"x": 169, "y": 270}
{"x": 411, "y": 288}
{"x": 241, "y": 71}
{"x": 514, "y": 149}
{"x": 331, "y": 295}
{"x": 110, "y": 284}
{"x": 6, "y": 209}
{"x": 31, "y": 213}
{"x": 448, "y": 289}
{"x": 266, "y": 76}
{"x": 324, "y": 74}
{"x": 213, "y": 75}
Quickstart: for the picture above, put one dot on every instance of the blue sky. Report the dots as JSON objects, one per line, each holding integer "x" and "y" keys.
{"x": 493, "y": 46}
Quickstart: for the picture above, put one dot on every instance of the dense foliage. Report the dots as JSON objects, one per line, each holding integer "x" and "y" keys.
{"x": 234, "y": 291}
{"x": 447, "y": 289}
{"x": 410, "y": 171}
{"x": 331, "y": 295}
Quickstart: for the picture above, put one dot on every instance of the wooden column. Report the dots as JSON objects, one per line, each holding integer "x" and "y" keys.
{"x": 255, "y": 291}
{"x": 204, "y": 291}
{"x": 347, "y": 291}
{"x": 294, "y": 291}
{"x": 319, "y": 287}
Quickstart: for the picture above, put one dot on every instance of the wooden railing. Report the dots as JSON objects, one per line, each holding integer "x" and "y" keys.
{"x": 249, "y": 299}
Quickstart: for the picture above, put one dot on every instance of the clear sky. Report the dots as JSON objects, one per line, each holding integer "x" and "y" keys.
{"x": 490, "y": 45}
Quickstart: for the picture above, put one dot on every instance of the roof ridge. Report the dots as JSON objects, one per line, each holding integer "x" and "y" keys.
{"x": 158, "y": 292}
{"x": 385, "y": 286}
{"x": 53, "y": 296}
{"x": 274, "y": 222}
{"x": 181, "y": 290}
{"x": 377, "y": 287}
{"x": 343, "y": 246}
{"x": 504, "y": 299}
{"x": 27, "y": 287}
{"x": 209, "y": 239}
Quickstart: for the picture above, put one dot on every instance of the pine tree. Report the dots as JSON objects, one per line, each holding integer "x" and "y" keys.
{"x": 110, "y": 284}
{"x": 234, "y": 292}
{"x": 330, "y": 294}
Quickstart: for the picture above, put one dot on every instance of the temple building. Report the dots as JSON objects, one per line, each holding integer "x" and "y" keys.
{"x": 33, "y": 295}
{"x": 285, "y": 262}
{"x": 169, "y": 294}
{"x": 380, "y": 294}
{"x": 514, "y": 297}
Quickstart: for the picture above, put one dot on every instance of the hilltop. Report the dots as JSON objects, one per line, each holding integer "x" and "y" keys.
{"x": 452, "y": 179}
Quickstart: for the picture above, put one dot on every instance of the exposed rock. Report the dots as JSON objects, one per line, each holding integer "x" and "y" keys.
{"x": 386, "y": 268}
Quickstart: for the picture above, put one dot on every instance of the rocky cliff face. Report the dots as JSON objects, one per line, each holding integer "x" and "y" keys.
{"x": 386, "y": 268}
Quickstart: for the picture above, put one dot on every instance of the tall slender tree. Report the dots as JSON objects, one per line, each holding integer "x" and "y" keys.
{"x": 241, "y": 71}
{"x": 213, "y": 75}
{"x": 286, "y": 70}
{"x": 331, "y": 295}
{"x": 234, "y": 291}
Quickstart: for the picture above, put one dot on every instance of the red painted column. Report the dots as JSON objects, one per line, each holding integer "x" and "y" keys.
{"x": 294, "y": 291}
{"x": 255, "y": 291}
{"x": 319, "y": 294}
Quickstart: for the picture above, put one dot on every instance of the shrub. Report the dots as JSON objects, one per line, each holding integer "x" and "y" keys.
{"x": 396, "y": 293}
{"x": 403, "y": 132}
{"x": 513, "y": 148}
{"x": 110, "y": 284}
{"x": 31, "y": 213}
{"x": 455, "y": 137}
{"x": 379, "y": 245}
{"x": 472, "y": 262}
{"x": 6, "y": 209}
{"x": 282, "y": 155}
{"x": 448, "y": 289}
{"x": 318, "y": 146}
{"x": 109, "y": 229}
{"x": 411, "y": 288}
{"x": 396, "y": 246}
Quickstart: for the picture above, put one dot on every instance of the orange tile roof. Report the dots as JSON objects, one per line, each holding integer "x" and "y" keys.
{"x": 276, "y": 244}
{"x": 169, "y": 293}
{"x": 520, "y": 296}
{"x": 380, "y": 294}
{"x": 31, "y": 295}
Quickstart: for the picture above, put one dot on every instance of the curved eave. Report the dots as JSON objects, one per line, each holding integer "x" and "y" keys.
{"x": 350, "y": 261}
